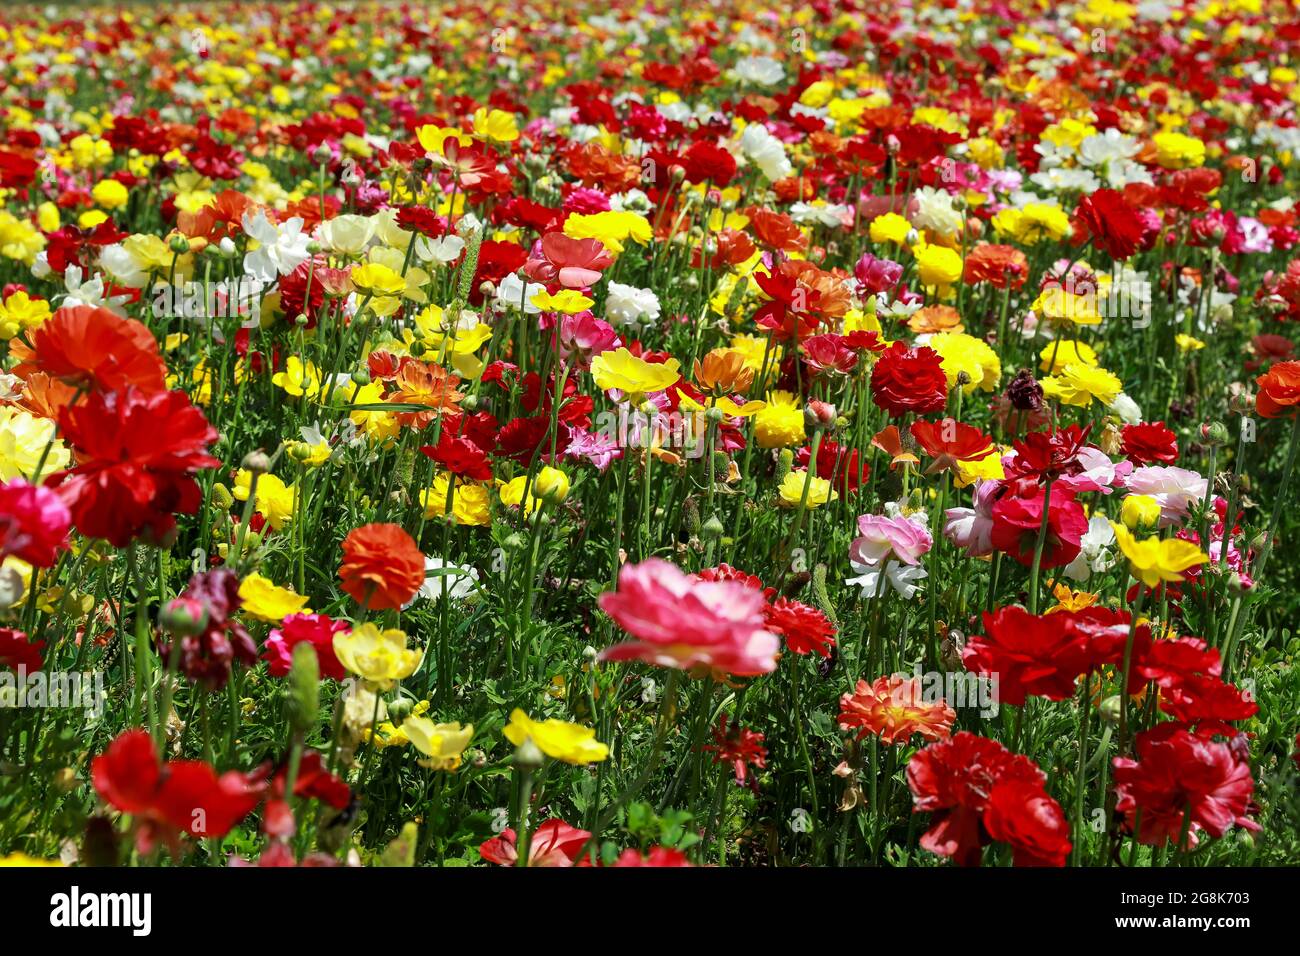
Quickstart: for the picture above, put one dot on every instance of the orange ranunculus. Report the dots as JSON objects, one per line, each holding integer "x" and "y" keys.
{"x": 92, "y": 348}
{"x": 382, "y": 566}
{"x": 1279, "y": 390}
{"x": 894, "y": 708}
{"x": 1002, "y": 267}
{"x": 425, "y": 383}
{"x": 934, "y": 319}
{"x": 890, "y": 441}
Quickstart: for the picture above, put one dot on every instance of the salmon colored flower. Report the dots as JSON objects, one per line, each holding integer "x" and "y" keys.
{"x": 382, "y": 566}
{"x": 1279, "y": 390}
{"x": 895, "y": 709}
{"x": 554, "y": 843}
{"x": 91, "y": 348}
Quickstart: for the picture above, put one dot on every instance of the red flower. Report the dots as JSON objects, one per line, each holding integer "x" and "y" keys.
{"x": 956, "y": 779}
{"x": 909, "y": 380}
{"x": 1017, "y": 521}
{"x": 1111, "y": 222}
{"x": 573, "y": 263}
{"x": 1030, "y": 654}
{"x": 382, "y": 566}
{"x": 206, "y": 656}
{"x": 34, "y": 523}
{"x": 92, "y": 348}
{"x": 804, "y": 628}
{"x": 708, "y": 162}
{"x": 1279, "y": 390}
{"x": 139, "y": 452}
{"x": 18, "y": 650}
{"x": 313, "y": 782}
{"x": 842, "y": 467}
{"x": 661, "y": 856}
{"x": 460, "y": 456}
{"x": 949, "y": 442}
{"x": 166, "y": 799}
{"x": 554, "y": 843}
{"x": 1179, "y": 773}
{"x": 315, "y": 629}
{"x": 1048, "y": 455}
{"x": 740, "y": 747}
{"x": 1149, "y": 443}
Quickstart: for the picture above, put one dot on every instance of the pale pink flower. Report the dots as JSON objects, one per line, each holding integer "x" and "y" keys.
{"x": 679, "y": 621}
{"x": 882, "y": 536}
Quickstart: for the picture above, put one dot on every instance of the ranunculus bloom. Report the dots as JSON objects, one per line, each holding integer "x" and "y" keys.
{"x": 138, "y": 452}
{"x": 1149, "y": 443}
{"x": 554, "y": 843}
{"x": 382, "y": 566}
{"x": 18, "y": 650}
{"x": 909, "y": 380}
{"x": 1029, "y": 654}
{"x": 1111, "y": 223}
{"x": 573, "y": 263}
{"x": 1178, "y": 773}
{"x": 882, "y": 537}
{"x": 949, "y": 442}
{"x": 206, "y": 656}
{"x": 34, "y": 523}
{"x": 804, "y": 628}
{"x": 894, "y": 708}
{"x": 1279, "y": 390}
{"x": 166, "y": 799}
{"x": 1018, "y": 519}
{"x": 681, "y": 621}
{"x": 1022, "y": 815}
{"x": 460, "y": 456}
{"x": 91, "y": 347}
{"x": 318, "y": 630}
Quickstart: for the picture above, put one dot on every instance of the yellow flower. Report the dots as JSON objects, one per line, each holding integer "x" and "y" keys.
{"x": 1066, "y": 352}
{"x": 1070, "y": 600}
{"x": 434, "y": 138}
{"x": 819, "y": 490}
{"x": 611, "y": 228}
{"x": 780, "y": 422}
{"x": 890, "y": 227}
{"x": 20, "y": 312}
{"x": 1057, "y": 304}
{"x": 732, "y": 410}
{"x": 469, "y": 502}
{"x": 275, "y": 500}
{"x": 571, "y": 743}
{"x": 937, "y": 266}
{"x": 624, "y": 371}
{"x": 378, "y": 657}
{"x": 298, "y": 379}
{"x": 988, "y": 467}
{"x": 441, "y": 743}
{"x": 22, "y": 859}
{"x": 1140, "y": 511}
{"x": 1178, "y": 151}
{"x": 23, "y": 440}
{"x": 1188, "y": 343}
{"x": 512, "y": 494}
{"x": 268, "y": 602}
{"x": 377, "y": 279}
{"x": 959, "y": 353}
{"x": 110, "y": 194}
{"x": 1034, "y": 223}
{"x": 1080, "y": 384}
{"x": 1157, "y": 559}
{"x": 551, "y": 485}
{"x": 495, "y": 125}
{"x": 19, "y": 239}
{"x": 567, "y": 301}
{"x": 752, "y": 348}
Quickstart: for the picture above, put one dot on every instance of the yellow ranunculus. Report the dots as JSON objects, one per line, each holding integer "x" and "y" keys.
{"x": 1156, "y": 560}
{"x": 469, "y": 501}
{"x": 275, "y": 500}
{"x": 624, "y": 371}
{"x": 378, "y": 657}
{"x": 890, "y": 227}
{"x": 937, "y": 266}
{"x": 566, "y": 300}
{"x": 1140, "y": 511}
{"x": 442, "y": 744}
{"x": 495, "y": 125}
{"x": 780, "y": 422}
{"x": 819, "y": 490}
{"x": 571, "y": 743}
{"x": 267, "y": 602}
{"x": 110, "y": 194}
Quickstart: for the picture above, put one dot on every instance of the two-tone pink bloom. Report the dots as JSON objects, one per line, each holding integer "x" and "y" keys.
{"x": 34, "y": 523}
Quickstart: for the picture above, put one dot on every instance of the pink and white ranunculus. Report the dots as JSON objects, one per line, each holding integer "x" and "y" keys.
{"x": 882, "y": 536}
{"x": 1175, "y": 488}
{"x": 971, "y": 529}
{"x": 679, "y": 621}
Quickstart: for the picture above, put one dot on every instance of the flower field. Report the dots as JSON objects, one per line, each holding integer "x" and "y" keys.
{"x": 585, "y": 435}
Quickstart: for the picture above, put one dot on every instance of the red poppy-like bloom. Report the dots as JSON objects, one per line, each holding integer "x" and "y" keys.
{"x": 740, "y": 747}
{"x": 382, "y": 566}
{"x": 1003, "y": 267}
{"x": 167, "y": 799}
{"x": 1178, "y": 773}
{"x": 842, "y": 467}
{"x": 976, "y": 787}
{"x": 318, "y": 630}
{"x": 909, "y": 380}
{"x": 1149, "y": 443}
{"x": 1017, "y": 520}
{"x": 894, "y": 709}
{"x": 1047, "y": 455}
{"x": 949, "y": 442}
{"x": 709, "y": 162}
{"x": 90, "y": 347}
{"x": 18, "y": 650}
{"x": 313, "y": 782}
{"x": 1030, "y": 654}
{"x": 1279, "y": 391}
{"x": 138, "y": 452}
{"x": 554, "y": 843}
{"x": 660, "y": 856}
{"x": 460, "y": 456}
{"x": 1111, "y": 223}
{"x": 828, "y": 355}
{"x": 804, "y": 628}
{"x": 34, "y": 523}
{"x": 207, "y": 654}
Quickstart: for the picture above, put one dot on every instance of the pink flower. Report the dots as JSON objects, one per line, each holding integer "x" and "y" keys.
{"x": 971, "y": 529}
{"x": 34, "y": 523}
{"x": 573, "y": 263}
{"x": 317, "y": 630}
{"x": 583, "y": 336}
{"x": 554, "y": 843}
{"x": 683, "y": 622}
{"x": 882, "y": 536}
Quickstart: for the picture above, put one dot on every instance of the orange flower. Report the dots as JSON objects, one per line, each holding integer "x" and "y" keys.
{"x": 894, "y": 709}
{"x": 723, "y": 371}
{"x": 934, "y": 319}
{"x": 89, "y": 347}
{"x": 890, "y": 442}
{"x": 382, "y": 566}
{"x": 776, "y": 230}
{"x": 1279, "y": 391}
{"x": 1000, "y": 266}
{"x": 425, "y": 383}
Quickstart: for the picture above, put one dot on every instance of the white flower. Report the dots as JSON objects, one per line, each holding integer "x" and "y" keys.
{"x": 1126, "y": 409}
{"x": 511, "y": 292}
{"x": 628, "y": 305}
{"x": 766, "y": 152}
{"x": 280, "y": 250}
{"x": 1108, "y": 146}
{"x": 122, "y": 266}
{"x": 899, "y": 576}
{"x": 346, "y": 235}
{"x": 1093, "y": 555}
{"x": 1058, "y": 179}
{"x": 760, "y": 70}
{"x": 443, "y": 250}
{"x": 90, "y": 292}
{"x": 830, "y": 216}
{"x": 445, "y": 579}
{"x": 935, "y": 211}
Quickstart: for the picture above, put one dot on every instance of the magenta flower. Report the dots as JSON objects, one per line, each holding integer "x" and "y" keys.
{"x": 679, "y": 621}
{"x": 34, "y": 523}
{"x": 317, "y": 630}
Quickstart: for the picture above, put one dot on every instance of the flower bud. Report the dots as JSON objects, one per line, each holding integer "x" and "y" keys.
{"x": 256, "y": 462}
{"x": 221, "y": 496}
{"x": 819, "y": 414}
{"x": 179, "y": 245}
{"x": 302, "y": 690}
{"x": 184, "y": 617}
{"x": 712, "y": 529}
{"x": 1110, "y": 710}
{"x": 528, "y": 756}
{"x": 1214, "y": 433}
{"x": 321, "y": 154}
{"x": 399, "y": 709}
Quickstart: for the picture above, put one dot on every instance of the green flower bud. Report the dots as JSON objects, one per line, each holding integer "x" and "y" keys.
{"x": 302, "y": 690}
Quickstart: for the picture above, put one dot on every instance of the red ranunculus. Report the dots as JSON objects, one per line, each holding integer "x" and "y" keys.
{"x": 804, "y": 628}
{"x": 382, "y": 566}
{"x": 909, "y": 380}
{"x": 91, "y": 347}
{"x": 1017, "y": 520}
{"x": 34, "y": 523}
{"x": 18, "y": 650}
{"x": 1111, "y": 222}
{"x": 1149, "y": 443}
{"x": 460, "y": 456}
